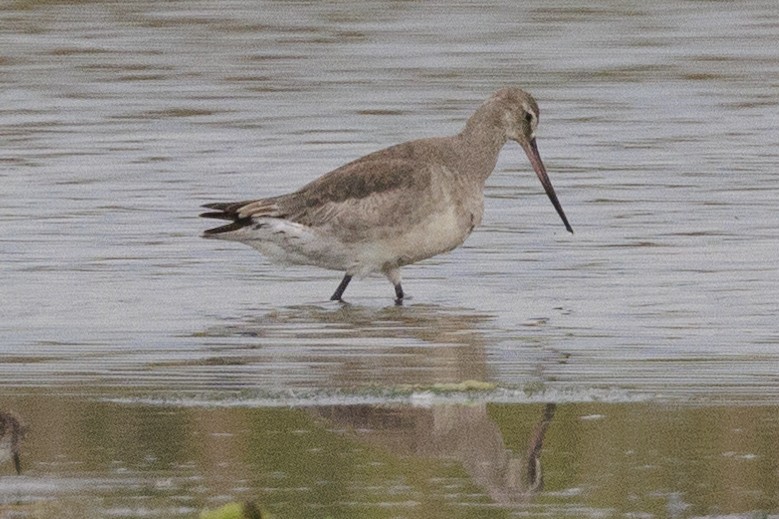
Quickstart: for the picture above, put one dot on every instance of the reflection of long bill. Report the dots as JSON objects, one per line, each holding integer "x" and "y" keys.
{"x": 535, "y": 160}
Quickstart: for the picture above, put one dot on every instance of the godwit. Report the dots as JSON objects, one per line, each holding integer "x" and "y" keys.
{"x": 392, "y": 207}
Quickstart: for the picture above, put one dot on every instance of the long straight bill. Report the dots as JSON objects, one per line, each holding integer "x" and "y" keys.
{"x": 535, "y": 160}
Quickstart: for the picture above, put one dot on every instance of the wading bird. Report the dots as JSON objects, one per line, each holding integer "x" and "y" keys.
{"x": 392, "y": 207}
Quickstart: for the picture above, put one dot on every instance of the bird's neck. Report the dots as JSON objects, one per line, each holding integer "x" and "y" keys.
{"x": 482, "y": 139}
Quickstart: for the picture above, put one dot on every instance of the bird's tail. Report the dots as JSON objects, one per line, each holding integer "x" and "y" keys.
{"x": 225, "y": 211}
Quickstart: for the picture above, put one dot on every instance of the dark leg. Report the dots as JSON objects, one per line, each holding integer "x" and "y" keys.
{"x": 340, "y": 290}
{"x": 393, "y": 274}
{"x": 398, "y": 294}
{"x": 17, "y": 463}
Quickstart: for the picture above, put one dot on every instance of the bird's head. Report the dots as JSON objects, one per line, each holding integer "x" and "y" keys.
{"x": 519, "y": 117}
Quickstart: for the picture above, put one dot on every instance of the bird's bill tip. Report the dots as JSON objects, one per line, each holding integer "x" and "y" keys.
{"x": 531, "y": 150}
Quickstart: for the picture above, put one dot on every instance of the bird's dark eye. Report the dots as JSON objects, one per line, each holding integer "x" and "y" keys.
{"x": 528, "y": 117}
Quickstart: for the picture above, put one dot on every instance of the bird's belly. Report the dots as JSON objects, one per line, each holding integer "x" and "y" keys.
{"x": 288, "y": 242}
{"x": 403, "y": 245}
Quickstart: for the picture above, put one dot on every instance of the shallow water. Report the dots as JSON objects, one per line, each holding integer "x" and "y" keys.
{"x": 161, "y": 374}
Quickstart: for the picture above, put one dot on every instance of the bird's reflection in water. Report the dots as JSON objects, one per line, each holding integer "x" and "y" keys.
{"x": 351, "y": 346}
{"x": 430, "y": 323}
{"x": 462, "y": 433}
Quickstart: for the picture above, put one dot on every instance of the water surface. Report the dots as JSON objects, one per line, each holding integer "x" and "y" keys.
{"x": 161, "y": 374}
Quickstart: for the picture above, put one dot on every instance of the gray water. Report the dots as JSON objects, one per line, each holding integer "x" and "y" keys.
{"x": 118, "y": 120}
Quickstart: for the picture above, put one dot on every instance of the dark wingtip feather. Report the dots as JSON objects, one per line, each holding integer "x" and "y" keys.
{"x": 219, "y": 206}
{"x": 234, "y": 226}
{"x": 225, "y": 211}
{"x": 217, "y": 214}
